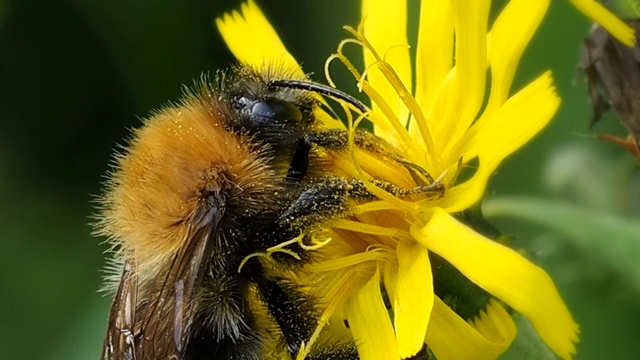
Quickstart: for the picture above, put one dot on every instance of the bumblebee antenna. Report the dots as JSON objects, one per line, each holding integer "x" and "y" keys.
{"x": 320, "y": 89}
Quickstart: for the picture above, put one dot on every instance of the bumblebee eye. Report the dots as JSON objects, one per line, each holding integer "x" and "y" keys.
{"x": 272, "y": 111}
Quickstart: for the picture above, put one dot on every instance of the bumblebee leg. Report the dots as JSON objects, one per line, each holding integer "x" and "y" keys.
{"x": 294, "y": 313}
{"x": 296, "y": 316}
{"x": 326, "y": 198}
{"x": 300, "y": 161}
{"x": 330, "y": 198}
{"x": 334, "y": 352}
{"x": 338, "y": 140}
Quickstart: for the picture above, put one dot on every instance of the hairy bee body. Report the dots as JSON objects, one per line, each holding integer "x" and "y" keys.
{"x": 199, "y": 187}
{"x": 235, "y": 169}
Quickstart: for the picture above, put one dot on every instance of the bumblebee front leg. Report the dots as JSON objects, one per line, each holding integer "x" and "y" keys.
{"x": 338, "y": 140}
{"x": 330, "y": 198}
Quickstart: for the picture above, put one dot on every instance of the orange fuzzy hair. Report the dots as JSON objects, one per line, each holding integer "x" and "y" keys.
{"x": 158, "y": 183}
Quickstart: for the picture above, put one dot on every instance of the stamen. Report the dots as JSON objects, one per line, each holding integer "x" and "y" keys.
{"x": 352, "y": 125}
{"x": 361, "y": 175}
{"x": 338, "y": 290}
{"x": 378, "y": 248}
{"x": 356, "y": 74}
{"x": 348, "y": 63}
{"x": 287, "y": 251}
{"x": 344, "y": 261}
{"x": 316, "y": 246}
{"x": 327, "y": 74}
{"x": 370, "y": 229}
{"x": 246, "y": 258}
{"x": 391, "y": 116}
{"x": 372, "y": 188}
{"x": 280, "y": 247}
{"x": 274, "y": 249}
{"x": 375, "y": 97}
{"x": 380, "y": 205}
{"x": 405, "y": 95}
{"x": 392, "y": 47}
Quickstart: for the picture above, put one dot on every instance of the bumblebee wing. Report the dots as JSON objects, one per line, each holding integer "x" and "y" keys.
{"x": 119, "y": 342}
{"x": 165, "y": 320}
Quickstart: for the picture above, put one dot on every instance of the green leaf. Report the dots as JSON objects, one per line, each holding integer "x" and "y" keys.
{"x": 612, "y": 239}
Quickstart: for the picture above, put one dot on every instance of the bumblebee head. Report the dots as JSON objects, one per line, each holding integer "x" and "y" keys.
{"x": 261, "y": 109}
{"x": 272, "y": 101}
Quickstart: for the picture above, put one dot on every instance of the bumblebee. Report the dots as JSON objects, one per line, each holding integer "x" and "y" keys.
{"x": 230, "y": 171}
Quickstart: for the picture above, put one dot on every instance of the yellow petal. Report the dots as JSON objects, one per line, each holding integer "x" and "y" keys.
{"x": 385, "y": 27}
{"x": 452, "y": 338}
{"x": 467, "y": 91}
{"x": 370, "y": 323}
{"x": 598, "y": 13}
{"x": 509, "y": 36}
{"x": 413, "y": 297}
{"x": 327, "y": 121}
{"x": 390, "y": 278}
{"x": 434, "y": 57}
{"x": 505, "y": 274}
{"x": 521, "y": 117}
{"x": 495, "y": 324}
{"x": 253, "y": 40}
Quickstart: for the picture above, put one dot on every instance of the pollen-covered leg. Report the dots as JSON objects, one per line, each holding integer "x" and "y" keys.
{"x": 334, "y": 352}
{"x": 338, "y": 140}
{"x": 330, "y": 198}
{"x": 326, "y": 198}
{"x": 296, "y": 316}
{"x": 294, "y": 313}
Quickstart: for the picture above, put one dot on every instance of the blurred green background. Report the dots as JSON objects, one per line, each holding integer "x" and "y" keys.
{"x": 74, "y": 75}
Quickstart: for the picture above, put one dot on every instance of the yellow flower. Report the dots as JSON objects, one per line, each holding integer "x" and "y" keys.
{"x": 447, "y": 124}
